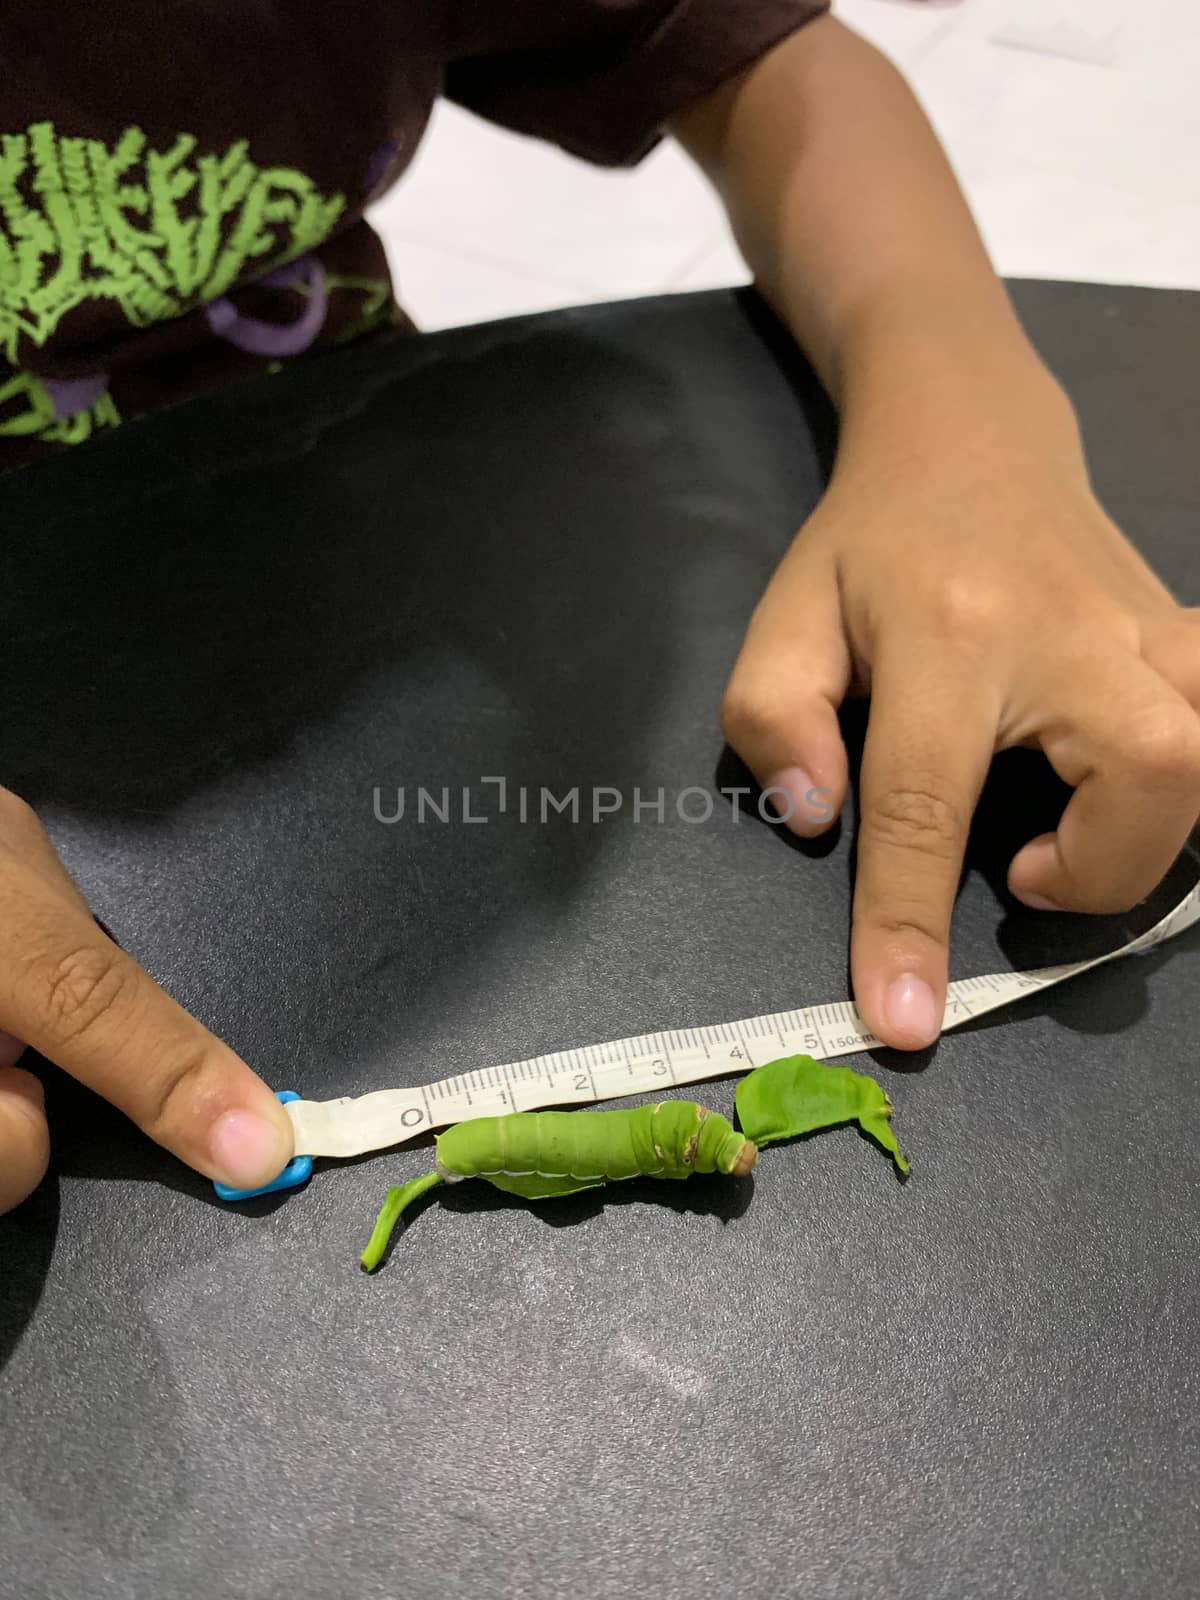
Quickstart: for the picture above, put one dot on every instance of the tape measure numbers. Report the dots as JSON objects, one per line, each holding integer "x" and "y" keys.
{"x": 655, "y": 1061}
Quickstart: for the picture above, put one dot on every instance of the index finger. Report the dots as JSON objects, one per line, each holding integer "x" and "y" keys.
{"x": 930, "y": 737}
{"x": 83, "y": 1003}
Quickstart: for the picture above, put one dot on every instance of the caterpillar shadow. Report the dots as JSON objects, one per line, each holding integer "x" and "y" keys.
{"x": 705, "y": 1195}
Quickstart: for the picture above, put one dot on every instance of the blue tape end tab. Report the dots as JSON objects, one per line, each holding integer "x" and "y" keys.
{"x": 297, "y": 1171}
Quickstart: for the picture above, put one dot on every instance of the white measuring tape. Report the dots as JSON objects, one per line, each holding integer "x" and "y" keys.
{"x": 653, "y": 1061}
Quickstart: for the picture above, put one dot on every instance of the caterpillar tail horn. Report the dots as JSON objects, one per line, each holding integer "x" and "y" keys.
{"x": 397, "y": 1202}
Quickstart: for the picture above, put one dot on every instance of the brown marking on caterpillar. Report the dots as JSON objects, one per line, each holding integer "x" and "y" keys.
{"x": 747, "y": 1157}
{"x": 693, "y": 1144}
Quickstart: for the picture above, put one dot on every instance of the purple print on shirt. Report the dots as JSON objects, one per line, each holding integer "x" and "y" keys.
{"x": 259, "y": 338}
{"x": 381, "y": 160}
{"x": 73, "y": 395}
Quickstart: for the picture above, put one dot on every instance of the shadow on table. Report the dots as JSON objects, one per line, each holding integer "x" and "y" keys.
{"x": 705, "y": 1195}
{"x": 27, "y": 1238}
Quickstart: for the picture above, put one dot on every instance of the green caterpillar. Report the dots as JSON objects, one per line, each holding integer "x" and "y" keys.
{"x": 537, "y": 1154}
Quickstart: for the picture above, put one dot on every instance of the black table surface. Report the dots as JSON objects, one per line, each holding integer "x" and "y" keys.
{"x": 529, "y": 550}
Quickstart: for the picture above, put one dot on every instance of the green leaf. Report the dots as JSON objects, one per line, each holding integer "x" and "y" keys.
{"x": 799, "y": 1095}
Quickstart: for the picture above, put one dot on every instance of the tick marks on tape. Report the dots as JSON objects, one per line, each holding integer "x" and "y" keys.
{"x": 488, "y": 799}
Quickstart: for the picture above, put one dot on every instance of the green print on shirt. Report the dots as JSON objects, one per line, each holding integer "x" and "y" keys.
{"x": 157, "y": 231}
{"x": 40, "y": 417}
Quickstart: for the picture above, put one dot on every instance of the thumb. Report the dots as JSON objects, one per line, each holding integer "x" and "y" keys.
{"x": 71, "y": 993}
{"x": 24, "y": 1139}
{"x": 780, "y": 711}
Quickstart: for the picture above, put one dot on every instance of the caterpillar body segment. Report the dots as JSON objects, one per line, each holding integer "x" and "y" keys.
{"x": 537, "y": 1154}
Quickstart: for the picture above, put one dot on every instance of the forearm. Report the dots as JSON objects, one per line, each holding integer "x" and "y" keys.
{"x": 856, "y": 231}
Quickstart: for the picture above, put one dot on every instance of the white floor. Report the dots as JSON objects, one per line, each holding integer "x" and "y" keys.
{"x": 1078, "y": 142}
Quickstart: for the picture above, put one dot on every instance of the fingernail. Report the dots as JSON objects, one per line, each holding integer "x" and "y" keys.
{"x": 247, "y": 1149}
{"x": 11, "y": 1049}
{"x": 1039, "y": 902}
{"x": 802, "y": 805}
{"x": 910, "y": 1008}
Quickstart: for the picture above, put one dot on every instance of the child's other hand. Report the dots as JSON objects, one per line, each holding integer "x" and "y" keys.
{"x": 959, "y": 567}
{"x": 83, "y": 1003}
{"x": 983, "y": 604}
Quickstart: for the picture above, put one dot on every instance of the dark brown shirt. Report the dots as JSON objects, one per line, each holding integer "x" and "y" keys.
{"x": 182, "y": 183}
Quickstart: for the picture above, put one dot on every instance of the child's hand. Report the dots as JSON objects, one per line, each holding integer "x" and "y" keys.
{"x": 959, "y": 567}
{"x": 71, "y": 993}
{"x": 984, "y": 604}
